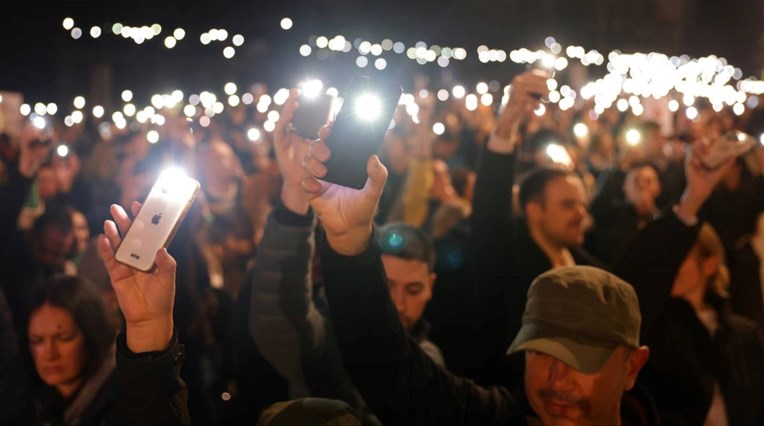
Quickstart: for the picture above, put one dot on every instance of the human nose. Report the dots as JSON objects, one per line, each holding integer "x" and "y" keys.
{"x": 558, "y": 375}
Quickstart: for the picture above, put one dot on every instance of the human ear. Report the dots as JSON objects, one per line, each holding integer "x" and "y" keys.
{"x": 635, "y": 362}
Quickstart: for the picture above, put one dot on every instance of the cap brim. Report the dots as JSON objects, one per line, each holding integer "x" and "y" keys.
{"x": 584, "y": 354}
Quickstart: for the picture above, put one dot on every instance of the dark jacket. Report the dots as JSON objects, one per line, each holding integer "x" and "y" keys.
{"x": 506, "y": 260}
{"x": 148, "y": 388}
{"x": 397, "y": 379}
{"x": 686, "y": 361}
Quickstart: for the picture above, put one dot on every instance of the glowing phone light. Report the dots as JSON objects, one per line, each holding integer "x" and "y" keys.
{"x": 558, "y": 154}
{"x": 632, "y": 137}
{"x": 368, "y": 107}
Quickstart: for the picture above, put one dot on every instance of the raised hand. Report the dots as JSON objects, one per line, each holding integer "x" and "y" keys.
{"x": 700, "y": 180}
{"x": 146, "y": 299}
{"x": 346, "y": 214}
{"x": 526, "y": 90}
{"x": 290, "y": 149}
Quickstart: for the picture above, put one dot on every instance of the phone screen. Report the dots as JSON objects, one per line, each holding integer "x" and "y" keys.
{"x": 312, "y": 113}
{"x": 155, "y": 224}
{"x": 359, "y": 129}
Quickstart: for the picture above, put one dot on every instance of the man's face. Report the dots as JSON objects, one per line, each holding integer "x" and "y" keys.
{"x": 561, "y": 395}
{"x": 411, "y": 286}
{"x": 560, "y": 216}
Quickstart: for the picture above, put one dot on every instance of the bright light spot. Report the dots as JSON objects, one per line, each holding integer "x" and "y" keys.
{"x": 273, "y": 116}
{"x": 68, "y": 23}
{"x": 632, "y": 137}
{"x": 127, "y": 95}
{"x": 247, "y": 98}
{"x": 552, "y": 84}
{"x": 77, "y": 116}
{"x": 40, "y": 108}
{"x": 229, "y": 88}
{"x": 156, "y": 29}
{"x": 158, "y": 119}
{"x": 269, "y": 126}
{"x": 205, "y": 39}
{"x": 310, "y": 88}
{"x": 554, "y": 96}
{"x": 580, "y": 130}
{"x": 471, "y": 102}
{"x": 76, "y": 33}
{"x": 322, "y": 42}
{"x": 62, "y": 150}
{"x": 398, "y": 47}
{"x": 25, "y": 109}
{"x": 362, "y": 61}
{"x": 95, "y": 32}
{"x": 233, "y": 100}
{"x": 622, "y": 105}
{"x": 286, "y": 23}
{"x": 189, "y": 110}
{"x": 261, "y": 107}
{"x": 117, "y": 28}
{"x": 170, "y": 42}
{"x": 129, "y": 110}
{"x": 332, "y": 92}
{"x": 152, "y": 136}
{"x": 280, "y": 97}
{"x": 238, "y": 40}
{"x": 458, "y": 92}
{"x": 673, "y": 105}
{"x": 367, "y": 107}
{"x": 487, "y": 99}
{"x": 179, "y": 33}
{"x": 558, "y": 154}
{"x": 439, "y": 128}
{"x": 204, "y": 121}
{"x": 79, "y": 102}
{"x": 68, "y": 121}
{"x": 253, "y": 134}
{"x": 692, "y": 113}
{"x": 443, "y": 95}
{"x": 157, "y": 101}
{"x": 305, "y": 50}
{"x": 39, "y": 123}
{"x": 229, "y": 52}
{"x": 540, "y": 110}
{"x": 380, "y": 63}
{"x": 222, "y": 35}
{"x": 762, "y": 139}
{"x": 738, "y": 109}
{"x": 218, "y": 107}
{"x": 51, "y": 108}
{"x": 481, "y": 88}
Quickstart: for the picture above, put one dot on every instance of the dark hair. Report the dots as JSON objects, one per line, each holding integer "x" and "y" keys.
{"x": 57, "y": 215}
{"x": 81, "y": 299}
{"x": 533, "y": 183}
{"x": 403, "y": 240}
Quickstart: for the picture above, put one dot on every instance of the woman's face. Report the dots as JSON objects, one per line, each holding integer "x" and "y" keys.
{"x": 57, "y": 346}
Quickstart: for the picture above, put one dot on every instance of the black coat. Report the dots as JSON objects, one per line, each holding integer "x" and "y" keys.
{"x": 685, "y": 360}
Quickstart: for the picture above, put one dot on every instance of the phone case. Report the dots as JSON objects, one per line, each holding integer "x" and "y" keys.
{"x": 731, "y": 144}
{"x": 156, "y": 223}
{"x": 354, "y": 138}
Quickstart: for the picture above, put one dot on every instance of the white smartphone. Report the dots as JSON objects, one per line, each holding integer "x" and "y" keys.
{"x": 155, "y": 225}
{"x": 731, "y": 144}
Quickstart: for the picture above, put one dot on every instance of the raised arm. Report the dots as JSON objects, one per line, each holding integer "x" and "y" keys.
{"x": 397, "y": 379}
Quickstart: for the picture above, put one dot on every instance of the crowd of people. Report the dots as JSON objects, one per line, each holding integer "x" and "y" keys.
{"x": 506, "y": 269}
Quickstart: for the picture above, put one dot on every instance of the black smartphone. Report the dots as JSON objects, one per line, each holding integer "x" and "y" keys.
{"x": 312, "y": 113}
{"x": 359, "y": 128}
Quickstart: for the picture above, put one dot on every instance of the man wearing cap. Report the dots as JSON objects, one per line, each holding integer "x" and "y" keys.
{"x": 580, "y": 331}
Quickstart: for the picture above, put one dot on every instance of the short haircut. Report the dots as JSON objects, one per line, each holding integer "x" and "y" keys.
{"x": 533, "y": 183}
{"x": 57, "y": 215}
{"x": 408, "y": 242}
{"x": 81, "y": 299}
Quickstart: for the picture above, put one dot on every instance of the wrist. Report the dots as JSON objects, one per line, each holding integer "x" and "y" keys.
{"x": 295, "y": 199}
{"x": 149, "y": 336}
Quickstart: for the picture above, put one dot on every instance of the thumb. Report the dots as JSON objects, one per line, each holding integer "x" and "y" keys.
{"x": 377, "y": 173}
{"x": 165, "y": 264}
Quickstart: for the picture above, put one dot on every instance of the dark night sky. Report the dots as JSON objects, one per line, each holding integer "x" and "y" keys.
{"x": 42, "y": 61}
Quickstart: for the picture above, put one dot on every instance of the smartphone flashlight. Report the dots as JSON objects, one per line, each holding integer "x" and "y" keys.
{"x": 174, "y": 180}
{"x": 558, "y": 154}
{"x": 632, "y": 137}
{"x": 62, "y": 151}
{"x": 310, "y": 89}
{"x": 368, "y": 107}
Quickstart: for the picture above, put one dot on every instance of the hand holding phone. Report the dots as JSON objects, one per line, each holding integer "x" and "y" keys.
{"x": 359, "y": 129}
{"x": 158, "y": 219}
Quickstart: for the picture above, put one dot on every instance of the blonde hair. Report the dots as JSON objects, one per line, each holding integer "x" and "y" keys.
{"x": 708, "y": 245}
